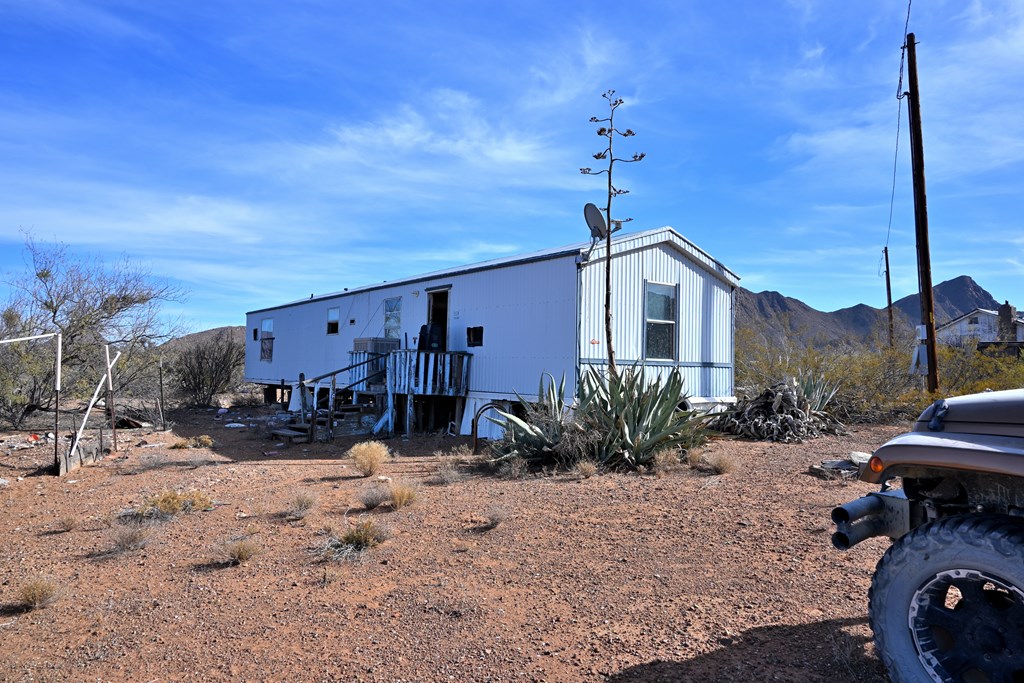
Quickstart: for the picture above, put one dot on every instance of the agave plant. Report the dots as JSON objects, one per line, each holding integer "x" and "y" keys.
{"x": 536, "y": 436}
{"x": 637, "y": 415}
{"x": 818, "y": 391}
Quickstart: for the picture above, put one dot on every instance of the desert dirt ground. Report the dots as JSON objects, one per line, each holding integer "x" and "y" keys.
{"x": 618, "y": 577}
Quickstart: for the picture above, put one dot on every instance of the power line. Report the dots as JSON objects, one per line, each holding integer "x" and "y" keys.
{"x": 899, "y": 116}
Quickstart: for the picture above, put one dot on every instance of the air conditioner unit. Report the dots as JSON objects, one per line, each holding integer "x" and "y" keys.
{"x": 381, "y": 345}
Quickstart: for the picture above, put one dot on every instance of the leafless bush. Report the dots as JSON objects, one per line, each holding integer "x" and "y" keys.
{"x": 374, "y": 497}
{"x": 208, "y": 367}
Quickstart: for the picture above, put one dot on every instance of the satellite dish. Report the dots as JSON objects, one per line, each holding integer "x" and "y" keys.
{"x": 598, "y": 229}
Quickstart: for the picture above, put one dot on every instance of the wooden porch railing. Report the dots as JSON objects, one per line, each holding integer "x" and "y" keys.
{"x": 366, "y": 365}
{"x": 428, "y": 373}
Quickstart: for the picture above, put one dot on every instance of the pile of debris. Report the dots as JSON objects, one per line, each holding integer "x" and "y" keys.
{"x": 780, "y": 413}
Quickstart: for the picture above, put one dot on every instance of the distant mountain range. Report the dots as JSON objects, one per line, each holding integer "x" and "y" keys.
{"x": 778, "y": 317}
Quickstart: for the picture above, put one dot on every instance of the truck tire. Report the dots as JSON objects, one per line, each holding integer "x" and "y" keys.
{"x": 947, "y": 602}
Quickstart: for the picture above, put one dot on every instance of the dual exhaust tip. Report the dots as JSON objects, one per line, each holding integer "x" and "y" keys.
{"x": 876, "y": 514}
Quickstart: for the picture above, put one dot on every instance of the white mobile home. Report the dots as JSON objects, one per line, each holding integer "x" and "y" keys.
{"x": 458, "y": 339}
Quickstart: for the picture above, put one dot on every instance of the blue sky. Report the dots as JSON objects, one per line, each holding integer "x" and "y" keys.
{"x": 255, "y": 152}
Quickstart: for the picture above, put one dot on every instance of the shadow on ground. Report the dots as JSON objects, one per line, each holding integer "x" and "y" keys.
{"x": 828, "y": 651}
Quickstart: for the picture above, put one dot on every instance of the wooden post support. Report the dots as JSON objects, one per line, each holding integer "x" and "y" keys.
{"x": 888, "y": 295}
{"x": 330, "y": 409}
{"x": 924, "y": 262}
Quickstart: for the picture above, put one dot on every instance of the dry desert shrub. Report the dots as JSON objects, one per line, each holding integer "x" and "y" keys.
{"x": 584, "y": 469}
{"x": 67, "y": 523}
{"x": 374, "y": 497}
{"x": 513, "y": 468}
{"x": 240, "y": 551}
{"x": 448, "y": 473}
{"x": 403, "y": 494}
{"x": 201, "y": 441}
{"x": 168, "y": 503}
{"x": 369, "y": 456}
{"x": 721, "y": 463}
{"x": 300, "y": 506}
{"x": 37, "y": 592}
{"x": 693, "y": 457}
{"x": 127, "y": 538}
{"x": 365, "y": 534}
{"x": 353, "y": 542}
{"x": 494, "y": 517}
{"x": 665, "y": 462}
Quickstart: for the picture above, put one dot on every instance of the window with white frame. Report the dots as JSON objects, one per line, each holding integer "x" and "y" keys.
{"x": 660, "y": 317}
{"x": 393, "y": 318}
{"x": 333, "y": 318}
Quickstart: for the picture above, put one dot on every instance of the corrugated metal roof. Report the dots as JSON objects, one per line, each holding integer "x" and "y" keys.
{"x": 579, "y": 248}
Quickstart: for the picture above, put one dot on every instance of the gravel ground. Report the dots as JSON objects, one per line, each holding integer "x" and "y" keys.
{"x": 688, "y": 576}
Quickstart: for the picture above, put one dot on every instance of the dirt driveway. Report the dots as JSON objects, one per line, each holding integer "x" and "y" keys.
{"x": 686, "y": 577}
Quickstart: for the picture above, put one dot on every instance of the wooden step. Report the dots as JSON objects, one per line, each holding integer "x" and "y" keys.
{"x": 289, "y": 434}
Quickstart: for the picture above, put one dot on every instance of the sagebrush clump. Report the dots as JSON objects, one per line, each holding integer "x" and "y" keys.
{"x": 369, "y": 456}
{"x": 37, "y": 592}
{"x": 374, "y": 497}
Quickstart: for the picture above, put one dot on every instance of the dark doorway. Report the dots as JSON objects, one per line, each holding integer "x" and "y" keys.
{"x": 437, "y": 320}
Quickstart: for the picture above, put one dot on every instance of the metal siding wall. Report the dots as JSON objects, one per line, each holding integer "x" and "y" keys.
{"x": 529, "y": 318}
{"x": 704, "y": 327}
{"x": 528, "y": 312}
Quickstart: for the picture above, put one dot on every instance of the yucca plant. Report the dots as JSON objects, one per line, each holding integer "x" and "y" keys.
{"x": 637, "y": 415}
{"x": 537, "y": 435}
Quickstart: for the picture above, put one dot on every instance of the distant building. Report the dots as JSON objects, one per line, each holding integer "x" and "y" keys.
{"x": 982, "y": 327}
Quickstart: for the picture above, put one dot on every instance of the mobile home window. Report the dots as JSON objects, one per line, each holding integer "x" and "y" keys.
{"x": 393, "y": 318}
{"x": 660, "y": 312}
{"x": 267, "y": 339}
{"x": 333, "y": 317}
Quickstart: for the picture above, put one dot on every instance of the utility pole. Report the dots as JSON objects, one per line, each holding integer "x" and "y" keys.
{"x": 924, "y": 262}
{"x": 888, "y": 293}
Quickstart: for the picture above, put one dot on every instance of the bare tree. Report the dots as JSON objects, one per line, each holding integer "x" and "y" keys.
{"x": 609, "y": 132}
{"x": 208, "y": 367}
{"x": 90, "y": 304}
